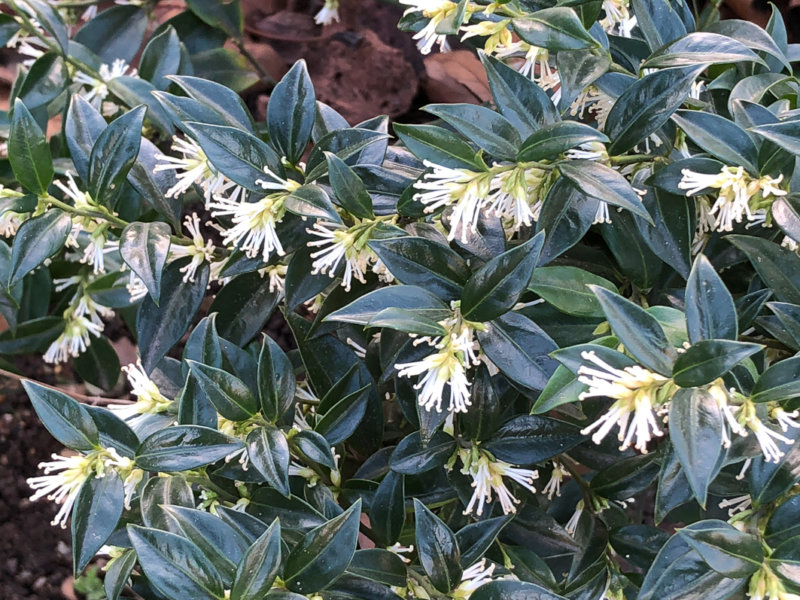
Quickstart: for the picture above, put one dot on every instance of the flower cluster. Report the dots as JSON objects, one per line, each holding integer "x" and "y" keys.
{"x": 487, "y": 474}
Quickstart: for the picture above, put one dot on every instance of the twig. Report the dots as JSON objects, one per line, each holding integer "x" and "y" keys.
{"x": 93, "y": 400}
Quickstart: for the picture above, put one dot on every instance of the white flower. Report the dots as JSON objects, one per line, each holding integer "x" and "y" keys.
{"x": 767, "y": 438}
{"x": 618, "y": 19}
{"x": 536, "y": 63}
{"x": 467, "y": 191}
{"x": 200, "y": 251}
{"x": 456, "y": 352}
{"x": 193, "y": 167}
{"x": 80, "y": 325}
{"x": 636, "y": 392}
{"x": 572, "y": 524}
{"x": 487, "y": 478}
{"x": 594, "y": 151}
{"x": 277, "y": 277}
{"x": 338, "y": 242}
{"x": 594, "y": 102}
{"x": 722, "y": 397}
{"x": 98, "y": 88}
{"x": 80, "y": 200}
{"x": 553, "y": 486}
{"x": 136, "y": 287}
{"x": 436, "y": 11}
{"x": 473, "y": 578}
{"x": 786, "y": 419}
{"x": 738, "y": 504}
{"x": 399, "y": 550}
{"x": 516, "y": 195}
{"x": 786, "y": 243}
{"x": 149, "y": 400}
{"x": 328, "y": 13}
{"x": 10, "y": 222}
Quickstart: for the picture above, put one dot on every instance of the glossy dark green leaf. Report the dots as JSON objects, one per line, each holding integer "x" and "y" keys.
{"x": 695, "y": 429}
{"x": 160, "y": 327}
{"x": 269, "y": 454}
{"x": 513, "y": 590}
{"x": 350, "y": 192}
{"x": 97, "y": 510}
{"x": 578, "y": 69}
{"x": 673, "y": 485}
{"x": 99, "y": 365}
{"x": 144, "y": 248}
{"x": 227, "y": 16}
{"x": 314, "y": 447}
{"x": 495, "y": 288}
{"x": 161, "y": 57}
{"x": 706, "y": 360}
{"x": 117, "y": 574}
{"x": 476, "y": 538}
{"x": 518, "y": 98}
{"x": 638, "y": 544}
{"x": 482, "y": 126}
{"x": 347, "y": 144}
{"x": 412, "y": 457}
{"x": 276, "y": 380}
{"x": 290, "y": 112}
{"x": 229, "y": 394}
{"x": 625, "y": 477}
{"x": 184, "y": 447}
{"x": 605, "y": 184}
{"x": 424, "y": 263}
{"x": 259, "y": 567}
{"x": 294, "y": 513}
{"x": 28, "y": 151}
{"x": 174, "y": 565}
{"x": 529, "y": 439}
{"x": 520, "y": 349}
{"x": 128, "y": 24}
{"x": 555, "y": 29}
{"x": 566, "y": 216}
{"x": 244, "y": 306}
{"x": 552, "y": 140}
{"x": 725, "y": 549}
{"x": 710, "y": 311}
{"x": 362, "y": 310}
{"x": 153, "y": 185}
{"x": 659, "y": 21}
{"x": 379, "y": 565}
{"x": 778, "y": 267}
{"x": 113, "y": 155}
{"x": 311, "y": 201}
{"x": 566, "y": 289}
{"x": 51, "y": 22}
{"x": 638, "y": 331}
{"x": 785, "y": 134}
{"x": 437, "y": 548}
{"x": 223, "y": 101}
{"x": 65, "y": 419}
{"x": 324, "y": 553}
{"x": 781, "y": 381}
{"x": 387, "y": 514}
{"x": 751, "y": 35}
{"x": 44, "y": 82}
{"x": 783, "y": 524}
{"x": 701, "y": 47}
{"x": 719, "y": 137}
{"x": 769, "y": 480}
{"x": 158, "y": 492}
{"x": 438, "y": 145}
{"x": 341, "y": 420}
{"x": 646, "y": 105}
{"x": 674, "y": 222}
{"x": 82, "y": 127}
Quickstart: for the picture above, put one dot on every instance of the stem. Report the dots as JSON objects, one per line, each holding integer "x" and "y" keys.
{"x": 631, "y": 158}
{"x": 86, "y": 213}
{"x": 571, "y": 466}
{"x": 93, "y": 400}
{"x": 265, "y": 77}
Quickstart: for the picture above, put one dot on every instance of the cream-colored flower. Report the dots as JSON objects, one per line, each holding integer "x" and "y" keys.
{"x": 487, "y": 480}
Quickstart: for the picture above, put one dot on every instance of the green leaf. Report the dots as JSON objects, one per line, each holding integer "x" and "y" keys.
{"x": 513, "y": 590}
{"x": 520, "y": 349}
{"x": 65, "y": 419}
{"x": 184, "y": 447}
{"x": 411, "y": 457}
{"x": 710, "y": 311}
{"x": 403, "y": 319}
{"x": 117, "y": 574}
{"x": 160, "y": 327}
{"x": 783, "y": 524}
{"x": 387, "y": 513}
{"x": 276, "y": 380}
{"x": 529, "y": 439}
{"x": 158, "y": 492}
{"x": 244, "y": 306}
{"x": 695, "y": 429}
{"x": 113, "y": 155}
{"x": 259, "y": 567}
{"x": 751, "y": 35}
{"x": 495, "y": 288}
{"x": 724, "y": 548}
{"x": 437, "y": 548}
{"x": 348, "y": 188}
{"x": 482, "y": 126}
{"x": 37, "y": 239}
{"x": 269, "y": 454}
{"x": 706, "y": 360}
{"x": 153, "y": 185}
{"x": 324, "y": 553}
{"x": 556, "y": 29}
{"x": 438, "y": 145}
{"x": 229, "y": 395}
{"x": 294, "y": 513}
{"x": 781, "y": 381}
{"x": 552, "y": 140}
{"x": 382, "y": 566}
{"x": 625, "y": 477}
{"x": 291, "y": 111}
{"x": 28, "y": 151}
{"x": 175, "y": 565}
{"x": 770, "y": 480}
{"x": 161, "y": 57}
{"x": 44, "y": 82}
{"x": 227, "y": 16}
{"x": 566, "y": 216}
{"x": 362, "y": 310}
{"x": 647, "y": 105}
{"x": 128, "y": 24}
{"x": 341, "y": 420}
{"x": 311, "y": 201}
{"x": 719, "y": 137}
{"x": 605, "y": 184}
{"x": 314, "y": 447}
{"x": 99, "y": 364}
{"x": 671, "y": 236}
{"x": 83, "y": 126}
{"x": 51, "y": 22}
{"x": 347, "y": 144}
{"x": 425, "y": 263}
{"x": 785, "y": 134}
{"x": 144, "y": 248}
{"x": 566, "y": 289}
{"x": 778, "y": 267}
{"x": 638, "y": 331}
{"x": 225, "y": 102}
{"x": 518, "y": 98}
{"x": 701, "y": 48}
{"x": 578, "y": 69}
{"x": 476, "y": 538}
{"x": 97, "y": 510}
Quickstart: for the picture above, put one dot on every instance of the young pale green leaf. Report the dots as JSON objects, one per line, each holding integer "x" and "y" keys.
{"x": 437, "y": 548}
{"x": 706, "y": 360}
{"x": 348, "y": 188}
{"x": 229, "y": 395}
{"x": 566, "y": 289}
{"x": 144, "y": 248}
{"x": 638, "y": 331}
{"x": 518, "y": 98}
{"x": 97, "y": 510}
{"x": 175, "y": 565}
{"x": 719, "y": 136}
{"x": 695, "y": 428}
{"x": 28, "y": 151}
{"x": 482, "y": 126}
{"x": 276, "y": 380}
{"x": 555, "y": 29}
{"x": 324, "y": 553}
{"x": 259, "y": 567}
{"x": 781, "y": 381}
{"x": 184, "y": 447}
{"x": 777, "y": 266}
{"x": 437, "y": 145}
{"x": 552, "y": 140}
{"x": 495, "y": 288}
{"x": 387, "y": 514}
{"x": 605, "y": 184}
{"x": 65, "y": 419}
{"x": 291, "y": 111}
{"x": 647, "y": 105}
{"x": 530, "y": 439}
{"x": 562, "y": 388}
{"x": 701, "y": 48}
{"x": 37, "y": 239}
{"x": 710, "y": 311}
{"x": 269, "y": 454}
{"x": 160, "y": 327}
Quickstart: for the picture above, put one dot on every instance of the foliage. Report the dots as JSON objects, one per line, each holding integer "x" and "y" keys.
{"x": 478, "y": 308}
